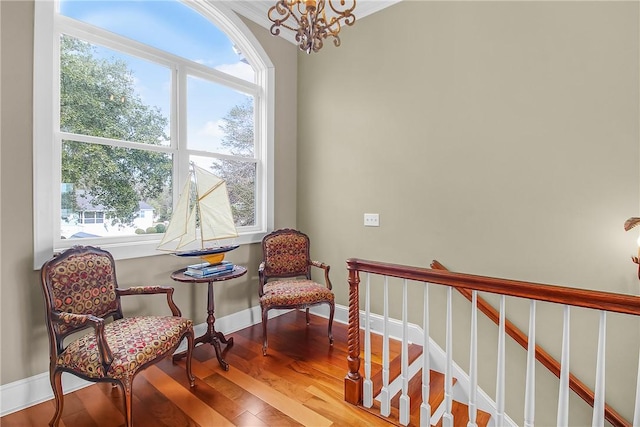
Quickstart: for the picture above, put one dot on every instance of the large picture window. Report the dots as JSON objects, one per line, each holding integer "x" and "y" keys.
{"x": 123, "y": 107}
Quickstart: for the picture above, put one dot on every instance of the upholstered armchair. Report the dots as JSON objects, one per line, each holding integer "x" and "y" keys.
{"x": 285, "y": 278}
{"x": 81, "y": 292}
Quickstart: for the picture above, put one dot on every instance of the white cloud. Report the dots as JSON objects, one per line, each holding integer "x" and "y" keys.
{"x": 211, "y": 129}
{"x": 208, "y": 137}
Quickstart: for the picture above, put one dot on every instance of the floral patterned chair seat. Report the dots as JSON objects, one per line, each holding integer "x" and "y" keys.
{"x": 285, "y": 278}
{"x": 81, "y": 291}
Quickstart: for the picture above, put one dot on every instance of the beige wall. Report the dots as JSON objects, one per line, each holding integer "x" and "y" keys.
{"x": 500, "y": 138}
{"x": 24, "y": 342}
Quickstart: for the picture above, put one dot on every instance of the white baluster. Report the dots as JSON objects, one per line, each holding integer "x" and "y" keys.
{"x": 530, "y": 386}
{"x": 385, "y": 398}
{"x": 563, "y": 393}
{"x": 404, "y": 397}
{"x": 425, "y": 407}
{"x": 473, "y": 361}
{"x": 447, "y": 417}
{"x": 500, "y": 387}
{"x": 598, "y": 400}
{"x": 367, "y": 386}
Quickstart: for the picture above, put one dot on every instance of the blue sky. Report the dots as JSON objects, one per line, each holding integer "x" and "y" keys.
{"x": 174, "y": 27}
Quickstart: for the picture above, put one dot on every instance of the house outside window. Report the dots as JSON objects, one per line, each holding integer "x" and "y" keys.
{"x": 133, "y": 105}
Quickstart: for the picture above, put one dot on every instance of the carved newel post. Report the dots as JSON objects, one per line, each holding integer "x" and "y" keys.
{"x": 353, "y": 380}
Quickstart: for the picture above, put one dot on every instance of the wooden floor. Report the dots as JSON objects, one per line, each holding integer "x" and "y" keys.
{"x": 299, "y": 382}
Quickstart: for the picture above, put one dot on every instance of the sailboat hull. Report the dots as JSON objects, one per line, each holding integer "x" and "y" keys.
{"x": 206, "y": 251}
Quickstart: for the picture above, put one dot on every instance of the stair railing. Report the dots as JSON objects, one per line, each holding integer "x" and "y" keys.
{"x": 538, "y": 352}
{"x": 469, "y": 285}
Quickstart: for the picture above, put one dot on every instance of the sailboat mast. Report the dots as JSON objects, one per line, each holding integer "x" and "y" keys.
{"x": 197, "y": 206}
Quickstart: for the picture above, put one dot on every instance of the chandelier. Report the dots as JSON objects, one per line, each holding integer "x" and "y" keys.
{"x": 311, "y": 21}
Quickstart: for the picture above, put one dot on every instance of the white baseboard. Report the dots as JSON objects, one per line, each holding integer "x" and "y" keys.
{"x": 33, "y": 390}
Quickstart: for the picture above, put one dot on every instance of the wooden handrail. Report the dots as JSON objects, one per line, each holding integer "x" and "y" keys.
{"x": 599, "y": 300}
{"x": 465, "y": 283}
{"x": 580, "y": 388}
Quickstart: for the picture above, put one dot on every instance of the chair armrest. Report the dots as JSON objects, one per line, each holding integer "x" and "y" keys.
{"x": 261, "y": 278}
{"x": 98, "y": 326}
{"x": 150, "y": 290}
{"x": 326, "y": 268}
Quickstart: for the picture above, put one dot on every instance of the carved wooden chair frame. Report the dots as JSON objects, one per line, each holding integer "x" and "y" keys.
{"x": 72, "y": 307}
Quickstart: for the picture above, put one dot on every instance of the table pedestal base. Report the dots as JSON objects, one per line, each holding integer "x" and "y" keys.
{"x": 214, "y": 338}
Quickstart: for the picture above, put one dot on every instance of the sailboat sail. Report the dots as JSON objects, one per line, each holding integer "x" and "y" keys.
{"x": 216, "y": 219}
{"x": 177, "y": 228}
{"x": 211, "y": 207}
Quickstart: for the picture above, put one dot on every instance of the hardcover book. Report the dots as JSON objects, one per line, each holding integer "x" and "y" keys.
{"x": 205, "y": 269}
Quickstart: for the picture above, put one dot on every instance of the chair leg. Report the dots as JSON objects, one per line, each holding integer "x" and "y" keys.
{"x": 332, "y": 309}
{"x": 56, "y": 384}
{"x": 265, "y": 311}
{"x": 307, "y": 316}
{"x": 126, "y": 387}
{"x": 190, "y": 377}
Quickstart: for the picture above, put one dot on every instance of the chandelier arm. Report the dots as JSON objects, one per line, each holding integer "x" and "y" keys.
{"x": 347, "y": 13}
{"x": 333, "y": 27}
{"x": 336, "y": 40}
{"x": 300, "y": 5}
{"x": 282, "y": 9}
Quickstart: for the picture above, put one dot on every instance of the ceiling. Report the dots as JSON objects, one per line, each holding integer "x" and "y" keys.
{"x": 256, "y": 10}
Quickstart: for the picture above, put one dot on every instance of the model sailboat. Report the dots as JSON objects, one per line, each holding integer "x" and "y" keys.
{"x": 203, "y": 214}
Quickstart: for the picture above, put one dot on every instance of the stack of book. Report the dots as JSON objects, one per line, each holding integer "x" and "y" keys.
{"x": 207, "y": 270}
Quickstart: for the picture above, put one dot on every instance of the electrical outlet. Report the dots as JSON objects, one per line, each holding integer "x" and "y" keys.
{"x": 371, "y": 220}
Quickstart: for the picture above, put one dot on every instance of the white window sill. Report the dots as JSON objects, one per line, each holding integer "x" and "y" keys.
{"x": 136, "y": 249}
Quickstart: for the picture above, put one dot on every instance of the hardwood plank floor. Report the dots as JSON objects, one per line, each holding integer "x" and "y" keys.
{"x": 299, "y": 382}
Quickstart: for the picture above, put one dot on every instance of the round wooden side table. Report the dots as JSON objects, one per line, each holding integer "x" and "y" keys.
{"x": 211, "y": 336}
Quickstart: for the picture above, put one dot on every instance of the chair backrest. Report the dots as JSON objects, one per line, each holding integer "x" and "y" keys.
{"x": 286, "y": 254}
{"x": 81, "y": 280}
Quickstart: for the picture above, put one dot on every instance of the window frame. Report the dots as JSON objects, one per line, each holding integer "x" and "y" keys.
{"x": 47, "y": 137}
